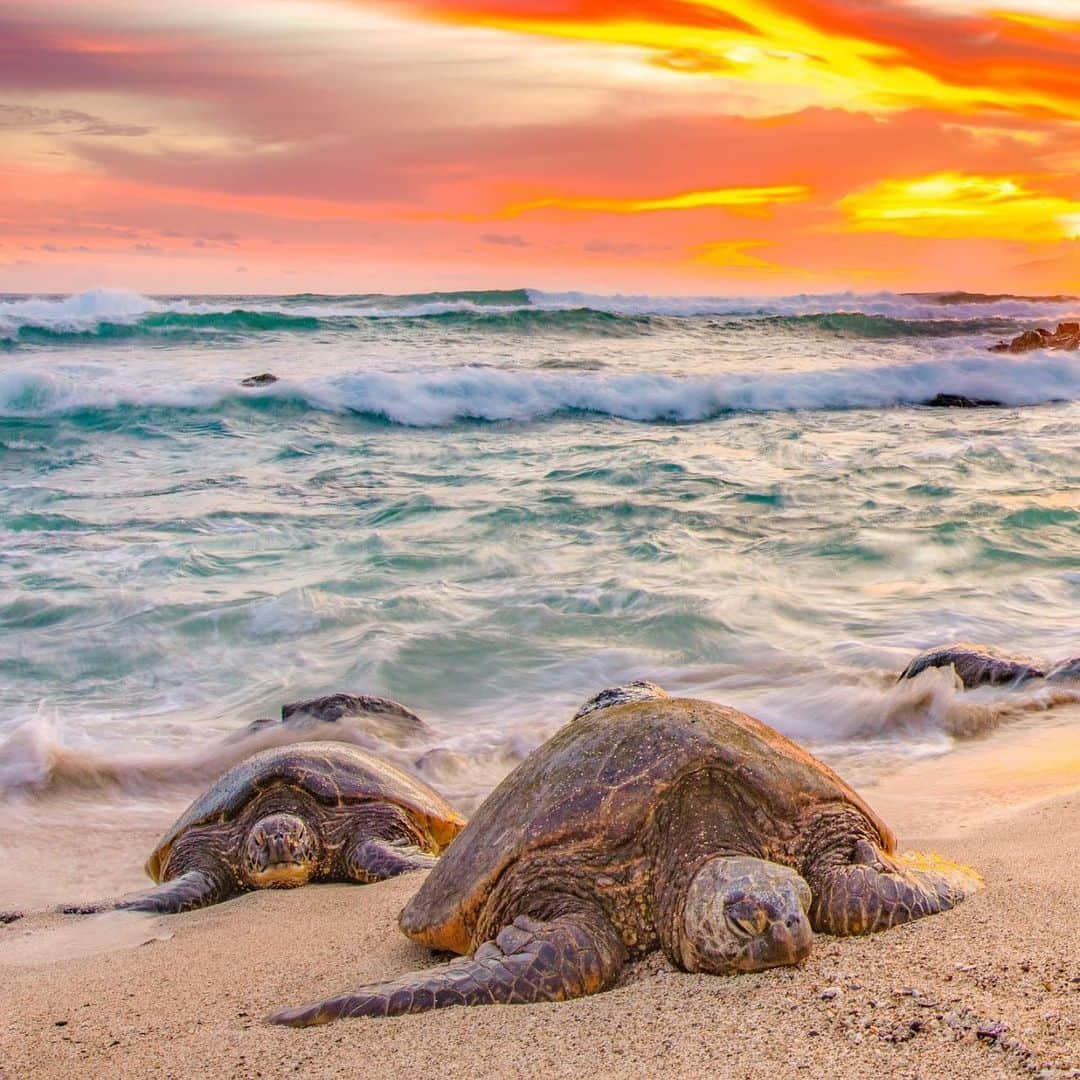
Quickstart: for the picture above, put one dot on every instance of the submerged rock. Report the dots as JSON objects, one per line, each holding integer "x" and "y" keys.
{"x": 382, "y": 717}
{"x": 960, "y": 401}
{"x": 976, "y": 665}
{"x": 265, "y": 379}
{"x": 1065, "y": 671}
{"x": 1067, "y": 336}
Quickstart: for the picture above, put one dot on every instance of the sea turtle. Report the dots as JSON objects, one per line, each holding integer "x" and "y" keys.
{"x": 663, "y": 823}
{"x": 314, "y": 811}
{"x": 976, "y": 665}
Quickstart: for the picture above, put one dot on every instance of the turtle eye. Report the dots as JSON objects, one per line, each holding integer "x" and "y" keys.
{"x": 747, "y": 918}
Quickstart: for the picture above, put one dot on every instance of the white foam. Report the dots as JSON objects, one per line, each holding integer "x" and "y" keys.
{"x": 75, "y": 314}
{"x": 86, "y": 312}
{"x": 430, "y": 398}
{"x": 893, "y": 305}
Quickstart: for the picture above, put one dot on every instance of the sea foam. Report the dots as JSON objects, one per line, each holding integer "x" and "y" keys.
{"x": 437, "y": 397}
{"x": 110, "y": 313}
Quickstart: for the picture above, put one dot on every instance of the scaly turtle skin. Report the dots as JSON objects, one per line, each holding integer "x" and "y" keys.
{"x": 315, "y": 811}
{"x": 664, "y": 823}
{"x": 976, "y": 665}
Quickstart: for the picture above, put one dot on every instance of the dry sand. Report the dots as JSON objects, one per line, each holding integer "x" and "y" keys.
{"x": 990, "y": 989}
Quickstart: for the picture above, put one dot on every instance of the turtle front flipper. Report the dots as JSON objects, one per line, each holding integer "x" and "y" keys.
{"x": 195, "y": 889}
{"x": 529, "y": 961}
{"x": 875, "y": 891}
{"x": 376, "y": 860}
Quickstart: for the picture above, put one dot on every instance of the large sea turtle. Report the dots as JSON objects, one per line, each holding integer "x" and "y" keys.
{"x": 315, "y": 811}
{"x": 977, "y": 665}
{"x": 650, "y": 823}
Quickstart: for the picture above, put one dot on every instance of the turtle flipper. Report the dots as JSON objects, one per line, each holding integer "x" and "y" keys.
{"x": 875, "y": 891}
{"x": 529, "y": 961}
{"x": 195, "y": 889}
{"x": 375, "y": 860}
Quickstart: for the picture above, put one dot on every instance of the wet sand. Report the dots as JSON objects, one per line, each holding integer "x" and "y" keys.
{"x": 990, "y": 989}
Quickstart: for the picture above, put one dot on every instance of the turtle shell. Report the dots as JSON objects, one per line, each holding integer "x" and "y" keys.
{"x": 332, "y": 773}
{"x": 599, "y": 781}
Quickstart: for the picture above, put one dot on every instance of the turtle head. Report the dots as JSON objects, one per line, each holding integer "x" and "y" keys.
{"x": 281, "y": 851}
{"x": 744, "y": 914}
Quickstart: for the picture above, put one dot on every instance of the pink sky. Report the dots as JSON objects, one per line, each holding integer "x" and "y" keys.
{"x": 752, "y": 146}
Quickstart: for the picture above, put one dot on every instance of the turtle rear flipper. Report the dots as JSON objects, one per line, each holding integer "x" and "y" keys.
{"x": 189, "y": 891}
{"x": 529, "y": 961}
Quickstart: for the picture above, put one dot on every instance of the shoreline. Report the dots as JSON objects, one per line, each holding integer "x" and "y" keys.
{"x": 989, "y": 989}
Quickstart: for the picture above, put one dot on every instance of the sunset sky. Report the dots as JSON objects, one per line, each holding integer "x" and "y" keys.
{"x": 746, "y": 146}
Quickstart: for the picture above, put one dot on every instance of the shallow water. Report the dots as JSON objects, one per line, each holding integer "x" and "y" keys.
{"x": 491, "y": 505}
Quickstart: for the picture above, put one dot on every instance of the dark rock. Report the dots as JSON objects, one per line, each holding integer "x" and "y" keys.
{"x": 1066, "y": 671}
{"x": 381, "y": 716}
{"x": 9, "y": 916}
{"x": 265, "y": 379}
{"x": 959, "y": 401}
{"x": 976, "y": 665}
{"x": 1066, "y": 336}
{"x": 334, "y": 706}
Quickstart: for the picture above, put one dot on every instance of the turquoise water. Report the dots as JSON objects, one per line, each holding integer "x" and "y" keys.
{"x": 491, "y": 505}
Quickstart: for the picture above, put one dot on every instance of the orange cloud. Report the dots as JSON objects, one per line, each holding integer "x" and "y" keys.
{"x": 737, "y": 254}
{"x": 958, "y": 206}
{"x": 880, "y": 57}
{"x": 753, "y": 200}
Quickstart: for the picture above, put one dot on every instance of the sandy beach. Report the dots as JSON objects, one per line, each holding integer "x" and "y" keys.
{"x": 989, "y": 989}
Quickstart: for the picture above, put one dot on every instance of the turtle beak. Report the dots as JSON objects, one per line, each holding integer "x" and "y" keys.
{"x": 281, "y": 849}
{"x": 790, "y": 939}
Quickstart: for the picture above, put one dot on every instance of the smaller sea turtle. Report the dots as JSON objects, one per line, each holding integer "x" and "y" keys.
{"x": 976, "y": 665}
{"x": 650, "y": 822}
{"x": 315, "y": 811}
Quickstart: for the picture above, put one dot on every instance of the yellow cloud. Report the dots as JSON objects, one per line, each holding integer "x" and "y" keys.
{"x": 751, "y": 200}
{"x": 953, "y": 205}
{"x": 736, "y": 254}
{"x": 799, "y": 64}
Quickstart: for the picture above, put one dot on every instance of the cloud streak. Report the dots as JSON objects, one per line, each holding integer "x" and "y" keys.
{"x": 602, "y": 144}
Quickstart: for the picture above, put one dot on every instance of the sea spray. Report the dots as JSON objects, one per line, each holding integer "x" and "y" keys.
{"x": 431, "y": 398}
{"x": 491, "y": 505}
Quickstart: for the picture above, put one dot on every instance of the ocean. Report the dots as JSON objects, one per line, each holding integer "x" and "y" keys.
{"x": 490, "y": 505}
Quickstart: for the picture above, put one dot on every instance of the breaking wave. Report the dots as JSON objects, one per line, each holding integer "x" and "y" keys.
{"x": 437, "y": 397}
{"x": 109, "y": 315}
{"x": 843, "y": 717}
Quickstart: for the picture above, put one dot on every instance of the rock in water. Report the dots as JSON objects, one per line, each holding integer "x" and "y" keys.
{"x": 1067, "y": 336}
{"x": 265, "y": 379}
{"x": 960, "y": 401}
{"x": 976, "y": 665}
{"x": 1065, "y": 671}
{"x": 387, "y": 719}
